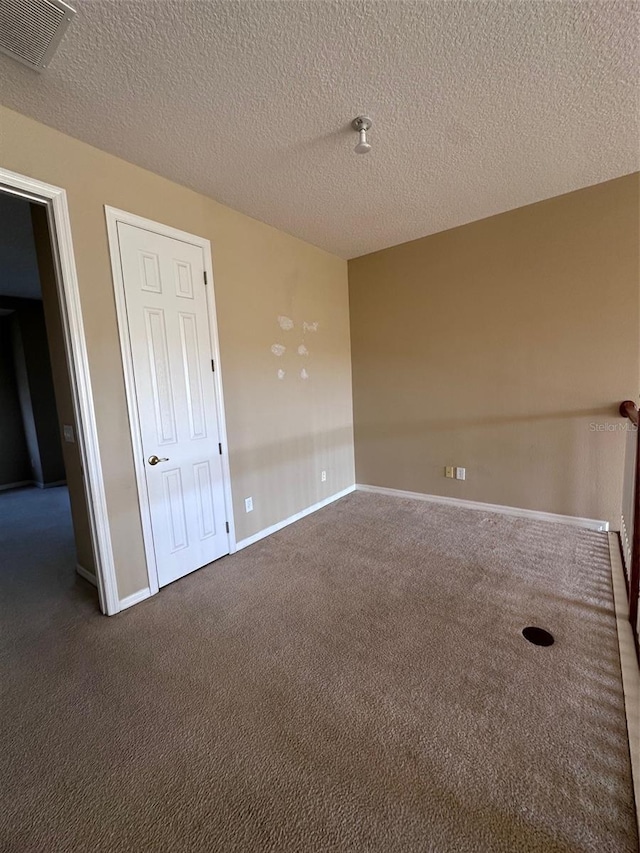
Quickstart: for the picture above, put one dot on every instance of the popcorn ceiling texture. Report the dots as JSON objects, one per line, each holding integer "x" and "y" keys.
{"x": 477, "y": 107}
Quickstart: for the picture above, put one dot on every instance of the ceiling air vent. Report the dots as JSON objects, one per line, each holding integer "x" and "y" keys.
{"x": 31, "y": 30}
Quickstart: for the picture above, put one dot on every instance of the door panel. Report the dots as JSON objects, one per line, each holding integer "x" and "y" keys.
{"x": 206, "y": 516}
{"x": 192, "y": 375}
{"x": 160, "y": 375}
{"x": 167, "y": 319}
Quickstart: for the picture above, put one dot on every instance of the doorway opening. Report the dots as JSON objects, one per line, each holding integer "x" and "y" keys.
{"x": 52, "y": 472}
{"x": 45, "y": 532}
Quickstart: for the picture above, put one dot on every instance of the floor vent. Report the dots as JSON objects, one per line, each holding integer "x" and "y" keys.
{"x": 31, "y": 30}
{"x": 537, "y": 636}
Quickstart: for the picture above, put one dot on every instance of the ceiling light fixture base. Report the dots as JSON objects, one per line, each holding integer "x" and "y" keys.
{"x": 361, "y": 123}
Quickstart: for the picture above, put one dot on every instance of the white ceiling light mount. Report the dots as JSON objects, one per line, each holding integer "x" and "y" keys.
{"x": 362, "y": 124}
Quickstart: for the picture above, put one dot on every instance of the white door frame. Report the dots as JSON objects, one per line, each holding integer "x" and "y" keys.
{"x": 113, "y": 217}
{"x": 54, "y": 200}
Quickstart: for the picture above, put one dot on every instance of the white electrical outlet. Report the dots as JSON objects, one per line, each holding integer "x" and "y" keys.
{"x": 248, "y": 504}
{"x": 67, "y": 431}
{"x": 449, "y": 472}
{"x": 461, "y": 473}
{"x": 323, "y": 476}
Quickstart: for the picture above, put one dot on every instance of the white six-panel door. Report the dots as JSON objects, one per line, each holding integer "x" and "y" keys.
{"x": 168, "y": 326}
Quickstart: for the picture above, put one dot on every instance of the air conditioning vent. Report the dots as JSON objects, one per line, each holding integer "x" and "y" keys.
{"x": 31, "y": 30}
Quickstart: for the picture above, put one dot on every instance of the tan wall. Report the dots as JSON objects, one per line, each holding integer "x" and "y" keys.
{"x": 281, "y": 433}
{"x": 495, "y": 346}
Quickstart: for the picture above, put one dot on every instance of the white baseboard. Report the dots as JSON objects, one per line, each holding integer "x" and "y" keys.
{"x": 287, "y": 521}
{"x": 625, "y": 543}
{"x": 589, "y": 523}
{"x": 628, "y": 664}
{"x": 88, "y": 576}
{"x": 135, "y": 598}
{"x": 18, "y": 485}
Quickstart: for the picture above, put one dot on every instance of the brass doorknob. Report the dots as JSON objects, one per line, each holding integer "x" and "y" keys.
{"x": 153, "y": 460}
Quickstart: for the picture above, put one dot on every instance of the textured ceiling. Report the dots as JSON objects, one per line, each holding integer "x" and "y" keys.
{"x": 478, "y": 107}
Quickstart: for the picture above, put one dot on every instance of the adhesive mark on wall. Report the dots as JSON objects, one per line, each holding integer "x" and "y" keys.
{"x": 285, "y": 323}
{"x": 279, "y": 350}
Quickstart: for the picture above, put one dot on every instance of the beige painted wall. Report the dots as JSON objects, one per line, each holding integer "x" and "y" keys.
{"x": 281, "y": 432}
{"x": 498, "y": 346}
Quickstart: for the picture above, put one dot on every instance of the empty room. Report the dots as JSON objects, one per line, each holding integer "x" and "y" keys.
{"x": 329, "y": 536}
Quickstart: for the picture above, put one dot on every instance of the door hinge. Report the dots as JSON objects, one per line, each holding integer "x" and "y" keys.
{"x": 213, "y": 365}
{"x": 220, "y": 449}
{"x": 205, "y": 277}
{"x": 227, "y": 525}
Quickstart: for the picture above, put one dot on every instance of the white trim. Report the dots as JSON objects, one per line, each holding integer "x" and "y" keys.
{"x": 136, "y": 598}
{"x": 589, "y": 523}
{"x": 88, "y": 576}
{"x": 287, "y": 521}
{"x": 628, "y": 665}
{"x": 217, "y": 379}
{"x": 55, "y": 200}
{"x": 625, "y": 544}
{"x": 113, "y": 217}
{"x": 18, "y": 485}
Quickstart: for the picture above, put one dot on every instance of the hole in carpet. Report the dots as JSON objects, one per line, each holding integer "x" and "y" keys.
{"x": 538, "y": 636}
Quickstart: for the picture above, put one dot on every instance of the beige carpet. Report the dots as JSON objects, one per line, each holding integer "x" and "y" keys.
{"x": 356, "y": 682}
